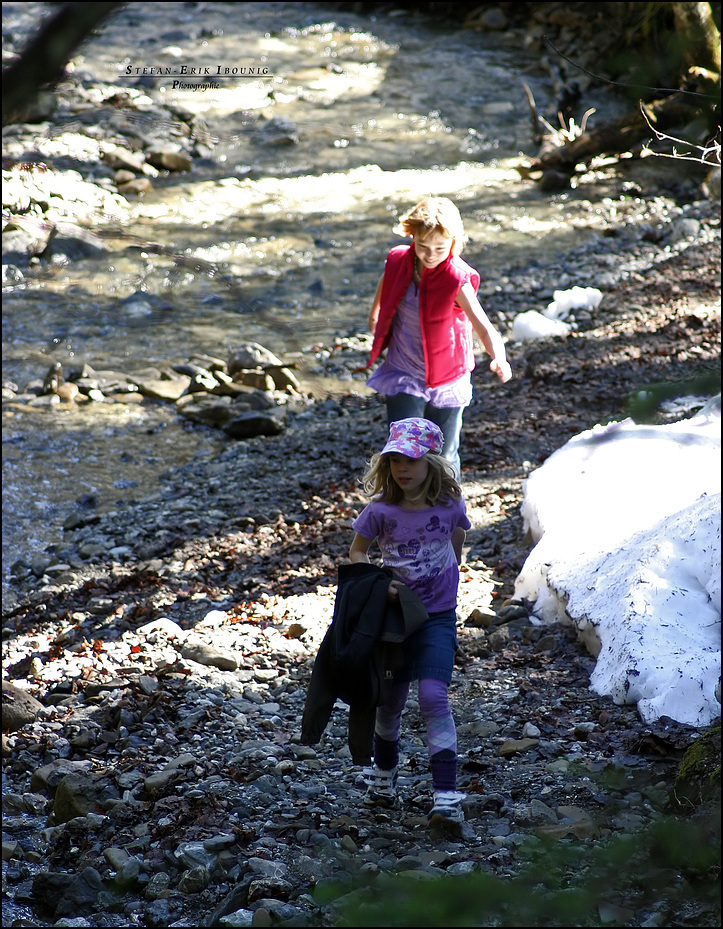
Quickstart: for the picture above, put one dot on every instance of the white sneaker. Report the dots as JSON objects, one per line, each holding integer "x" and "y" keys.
{"x": 381, "y": 786}
{"x": 447, "y": 809}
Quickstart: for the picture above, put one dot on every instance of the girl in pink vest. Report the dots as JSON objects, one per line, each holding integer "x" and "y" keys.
{"x": 424, "y": 315}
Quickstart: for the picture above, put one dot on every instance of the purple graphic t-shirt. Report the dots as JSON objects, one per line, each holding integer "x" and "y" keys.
{"x": 417, "y": 546}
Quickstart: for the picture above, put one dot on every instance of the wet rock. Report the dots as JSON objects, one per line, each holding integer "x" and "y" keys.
{"x": 135, "y": 187}
{"x": 194, "y": 880}
{"x": 157, "y": 886}
{"x": 251, "y": 424}
{"x": 711, "y": 186}
{"x": 683, "y": 228}
{"x": 106, "y": 381}
{"x": 492, "y": 19}
{"x": 81, "y": 894}
{"x": 207, "y": 655}
{"x": 49, "y": 887}
{"x": 46, "y": 778}
{"x": 214, "y": 412}
{"x": 554, "y": 181}
{"x": 123, "y": 159}
{"x": 68, "y": 392}
{"x": 18, "y": 707}
{"x": 279, "y": 131}
{"x": 20, "y": 245}
{"x": 72, "y": 243}
{"x": 78, "y": 794}
{"x": 123, "y": 177}
{"x": 251, "y": 355}
{"x": 161, "y": 384}
{"x": 169, "y": 159}
{"x": 517, "y": 746}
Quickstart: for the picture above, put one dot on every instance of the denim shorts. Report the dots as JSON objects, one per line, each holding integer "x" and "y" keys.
{"x": 429, "y": 652}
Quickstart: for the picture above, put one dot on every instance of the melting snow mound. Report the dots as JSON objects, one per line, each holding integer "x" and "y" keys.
{"x": 626, "y": 521}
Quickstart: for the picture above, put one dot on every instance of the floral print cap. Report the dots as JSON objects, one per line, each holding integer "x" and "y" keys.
{"x": 414, "y": 438}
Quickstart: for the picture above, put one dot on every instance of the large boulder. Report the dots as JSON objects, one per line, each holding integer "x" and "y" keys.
{"x": 19, "y": 707}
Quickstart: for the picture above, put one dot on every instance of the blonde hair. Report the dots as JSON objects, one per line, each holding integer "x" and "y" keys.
{"x": 440, "y": 484}
{"x": 434, "y": 214}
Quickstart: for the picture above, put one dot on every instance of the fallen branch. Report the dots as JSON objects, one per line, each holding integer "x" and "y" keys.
{"x": 622, "y": 135}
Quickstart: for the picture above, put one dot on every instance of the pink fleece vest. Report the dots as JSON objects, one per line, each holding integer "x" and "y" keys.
{"x": 447, "y": 333}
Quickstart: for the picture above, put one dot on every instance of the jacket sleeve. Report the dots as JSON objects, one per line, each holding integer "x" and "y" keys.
{"x": 361, "y": 734}
{"x": 320, "y": 695}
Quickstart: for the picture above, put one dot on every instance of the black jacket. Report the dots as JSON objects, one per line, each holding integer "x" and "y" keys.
{"x": 359, "y": 654}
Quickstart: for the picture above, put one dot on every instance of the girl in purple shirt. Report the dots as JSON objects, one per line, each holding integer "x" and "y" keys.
{"x": 418, "y": 519}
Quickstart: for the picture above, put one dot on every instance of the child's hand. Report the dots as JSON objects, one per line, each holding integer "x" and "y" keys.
{"x": 393, "y": 592}
{"x": 502, "y": 369}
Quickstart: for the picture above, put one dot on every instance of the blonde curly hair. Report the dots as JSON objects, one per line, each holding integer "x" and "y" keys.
{"x": 434, "y": 214}
{"x": 440, "y": 485}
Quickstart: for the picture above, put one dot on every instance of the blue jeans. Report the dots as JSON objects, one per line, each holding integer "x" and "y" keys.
{"x": 449, "y": 420}
{"x": 429, "y": 652}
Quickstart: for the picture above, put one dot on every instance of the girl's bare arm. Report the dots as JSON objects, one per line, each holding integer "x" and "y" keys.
{"x": 458, "y": 538}
{"x": 488, "y": 335}
{"x": 359, "y": 549}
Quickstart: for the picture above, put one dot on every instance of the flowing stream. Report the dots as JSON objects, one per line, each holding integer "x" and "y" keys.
{"x": 319, "y": 127}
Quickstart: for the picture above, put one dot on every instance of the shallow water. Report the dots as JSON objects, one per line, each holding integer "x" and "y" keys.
{"x": 279, "y": 233}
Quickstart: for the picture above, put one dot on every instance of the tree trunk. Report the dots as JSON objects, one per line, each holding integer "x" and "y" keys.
{"x": 44, "y": 59}
{"x": 702, "y": 39}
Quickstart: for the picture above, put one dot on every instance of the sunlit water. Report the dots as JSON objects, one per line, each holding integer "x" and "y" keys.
{"x": 282, "y": 226}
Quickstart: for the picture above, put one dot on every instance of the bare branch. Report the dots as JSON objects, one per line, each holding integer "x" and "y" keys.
{"x": 711, "y": 149}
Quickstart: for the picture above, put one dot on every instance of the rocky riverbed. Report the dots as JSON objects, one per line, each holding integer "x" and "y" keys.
{"x": 155, "y": 661}
{"x": 159, "y": 778}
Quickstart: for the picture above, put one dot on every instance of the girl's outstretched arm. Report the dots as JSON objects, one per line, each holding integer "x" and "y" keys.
{"x": 359, "y": 549}
{"x": 488, "y": 335}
